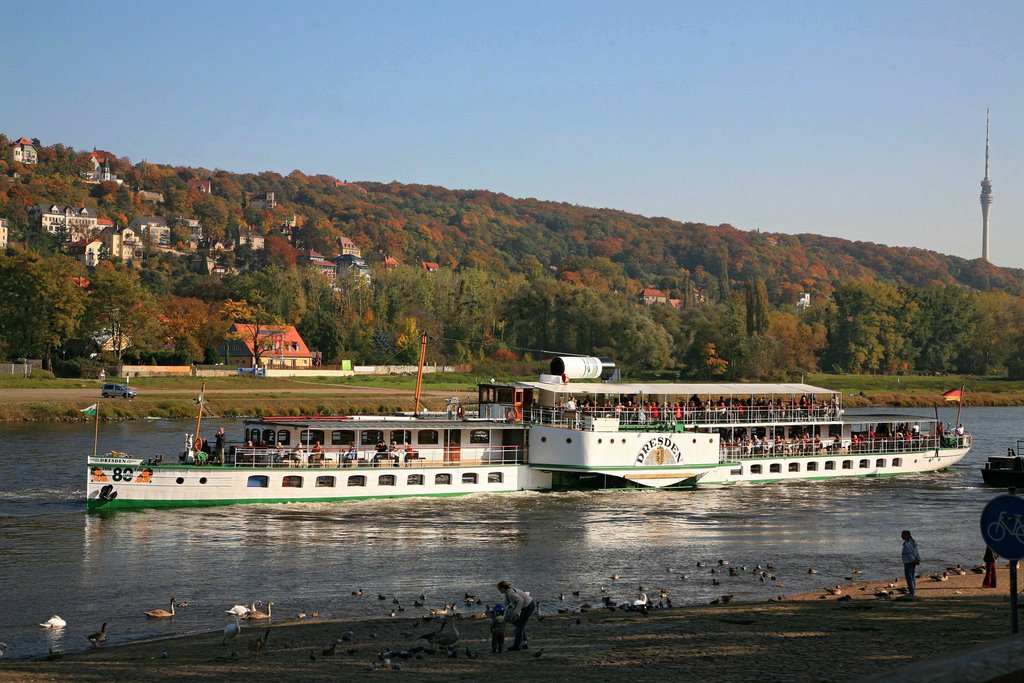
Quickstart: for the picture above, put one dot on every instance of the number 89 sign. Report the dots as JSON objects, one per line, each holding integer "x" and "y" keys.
{"x": 1002, "y": 526}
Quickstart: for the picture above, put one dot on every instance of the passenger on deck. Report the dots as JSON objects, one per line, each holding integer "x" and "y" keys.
{"x": 316, "y": 454}
{"x": 218, "y": 447}
{"x": 351, "y": 456}
{"x": 410, "y": 454}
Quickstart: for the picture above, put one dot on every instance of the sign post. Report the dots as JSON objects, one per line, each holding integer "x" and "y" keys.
{"x": 1002, "y": 527}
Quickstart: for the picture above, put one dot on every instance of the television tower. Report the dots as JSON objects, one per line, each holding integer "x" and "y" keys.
{"x": 986, "y": 198}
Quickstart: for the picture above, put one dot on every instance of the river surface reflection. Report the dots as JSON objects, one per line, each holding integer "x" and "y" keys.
{"x": 55, "y": 558}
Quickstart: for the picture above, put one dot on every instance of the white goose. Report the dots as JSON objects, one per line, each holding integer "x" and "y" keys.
{"x": 642, "y": 601}
{"x": 240, "y": 610}
{"x": 54, "y": 622}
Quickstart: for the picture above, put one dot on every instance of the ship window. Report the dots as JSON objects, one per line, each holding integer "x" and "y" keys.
{"x": 495, "y": 478}
{"x": 415, "y": 480}
{"x": 864, "y": 464}
{"x": 386, "y": 480}
{"x": 309, "y": 436}
{"x": 284, "y": 437}
{"x": 794, "y": 467}
{"x": 896, "y": 462}
{"x": 442, "y": 479}
{"x": 401, "y": 436}
{"x": 830, "y": 465}
{"x": 325, "y": 481}
{"x": 427, "y": 437}
{"x": 775, "y": 467}
{"x": 258, "y": 481}
{"x": 371, "y": 437}
{"x": 479, "y": 436}
{"x": 880, "y": 462}
{"x": 543, "y": 439}
{"x": 469, "y": 478}
{"x": 357, "y": 480}
{"x": 268, "y": 436}
{"x": 755, "y": 469}
{"x": 812, "y": 467}
{"x": 847, "y": 464}
{"x": 292, "y": 482}
{"x": 343, "y": 437}
{"x": 254, "y": 436}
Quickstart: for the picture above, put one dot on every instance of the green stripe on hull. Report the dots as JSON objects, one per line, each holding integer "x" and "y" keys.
{"x": 94, "y": 505}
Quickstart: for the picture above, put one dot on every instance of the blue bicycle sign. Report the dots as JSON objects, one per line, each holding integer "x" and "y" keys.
{"x": 1002, "y": 526}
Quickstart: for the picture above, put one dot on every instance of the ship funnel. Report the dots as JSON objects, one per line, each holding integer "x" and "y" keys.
{"x": 582, "y": 367}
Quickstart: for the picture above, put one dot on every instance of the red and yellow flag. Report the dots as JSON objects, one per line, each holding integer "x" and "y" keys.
{"x": 953, "y": 395}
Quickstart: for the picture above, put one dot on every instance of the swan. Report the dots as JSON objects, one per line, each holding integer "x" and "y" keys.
{"x": 99, "y": 637}
{"x": 239, "y": 610}
{"x": 642, "y": 602}
{"x": 231, "y": 631}
{"x": 256, "y": 614}
{"x": 54, "y": 622}
{"x": 161, "y": 613}
{"x": 442, "y": 636}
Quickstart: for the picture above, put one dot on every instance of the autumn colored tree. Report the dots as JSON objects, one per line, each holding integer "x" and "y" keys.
{"x": 40, "y": 304}
{"x": 120, "y": 311}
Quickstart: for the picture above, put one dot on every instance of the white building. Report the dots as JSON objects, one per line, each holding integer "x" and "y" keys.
{"x": 5, "y": 229}
{"x": 72, "y": 223}
{"x": 24, "y": 152}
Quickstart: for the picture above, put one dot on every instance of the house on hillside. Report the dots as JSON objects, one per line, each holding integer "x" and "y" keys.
{"x": 5, "y": 230}
{"x": 278, "y": 346}
{"x": 430, "y": 266}
{"x": 250, "y": 238}
{"x": 262, "y": 200}
{"x": 70, "y": 222}
{"x": 24, "y": 152}
{"x": 390, "y": 262}
{"x": 347, "y": 246}
{"x": 101, "y": 171}
{"x": 348, "y": 262}
{"x": 317, "y": 261}
{"x": 87, "y": 251}
{"x": 201, "y": 186}
{"x": 122, "y": 243}
{"x": 650, "y": 295}
{"x": 153, "y": 228}
{"x": 195, "y": 230}
{"x": 152, "y": 197}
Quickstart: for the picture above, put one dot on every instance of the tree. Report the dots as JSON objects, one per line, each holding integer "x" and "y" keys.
{"x": 120, "y": 312}
{"x": 40, "y": 304}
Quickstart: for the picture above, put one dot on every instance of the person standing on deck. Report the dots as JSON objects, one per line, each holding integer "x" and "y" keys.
{"x": 911, "y": 558}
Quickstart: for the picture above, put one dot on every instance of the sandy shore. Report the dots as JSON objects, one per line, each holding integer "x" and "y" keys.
{"x": 801, "y": 638}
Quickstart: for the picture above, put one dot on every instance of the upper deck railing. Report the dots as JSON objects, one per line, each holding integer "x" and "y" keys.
{"x": 665, "y": 418}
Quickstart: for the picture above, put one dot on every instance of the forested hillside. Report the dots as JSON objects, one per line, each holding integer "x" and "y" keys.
{"x": 513, "y": 275}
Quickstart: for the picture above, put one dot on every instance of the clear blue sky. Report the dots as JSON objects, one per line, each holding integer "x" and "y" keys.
{"x": 860, "y": 120}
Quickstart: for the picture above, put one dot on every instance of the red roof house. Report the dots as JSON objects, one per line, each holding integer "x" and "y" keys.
{"x": 276, "y": 345}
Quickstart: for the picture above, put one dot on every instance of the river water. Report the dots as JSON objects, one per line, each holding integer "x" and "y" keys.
{"x": 91, "y": 568}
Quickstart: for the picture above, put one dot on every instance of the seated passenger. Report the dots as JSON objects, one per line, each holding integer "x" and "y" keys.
{"x": 410, "y": 454}
{"x": 351, "y": 455}
{"x": 316, "y": 454}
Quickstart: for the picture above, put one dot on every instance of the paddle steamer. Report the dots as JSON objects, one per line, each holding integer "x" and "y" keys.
{"x": 571, "y": 429}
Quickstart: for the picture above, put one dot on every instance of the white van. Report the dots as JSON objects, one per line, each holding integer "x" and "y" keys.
{"x": 116, "y": 390}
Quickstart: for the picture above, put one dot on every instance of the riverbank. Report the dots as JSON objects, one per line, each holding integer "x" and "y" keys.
{"x": 53, "y": 400}
{"x": 809, "y": 637}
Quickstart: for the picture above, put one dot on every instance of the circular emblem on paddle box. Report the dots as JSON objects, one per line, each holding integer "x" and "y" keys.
{"x": 660, "y": 450}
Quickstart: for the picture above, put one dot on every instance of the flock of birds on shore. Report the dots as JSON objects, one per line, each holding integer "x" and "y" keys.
{"x": 445, "y": 638}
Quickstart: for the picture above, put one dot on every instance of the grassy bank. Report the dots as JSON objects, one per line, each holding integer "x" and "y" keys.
{"x": 46, "y": 398}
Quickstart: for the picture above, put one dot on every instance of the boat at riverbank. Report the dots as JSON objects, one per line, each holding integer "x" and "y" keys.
{"x": 571, "y": 429}
{"x": 1005, "y": 470}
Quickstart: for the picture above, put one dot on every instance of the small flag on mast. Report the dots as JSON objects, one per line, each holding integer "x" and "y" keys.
{"x": 953, "y": 395}
{"x": 90, "y": 411}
